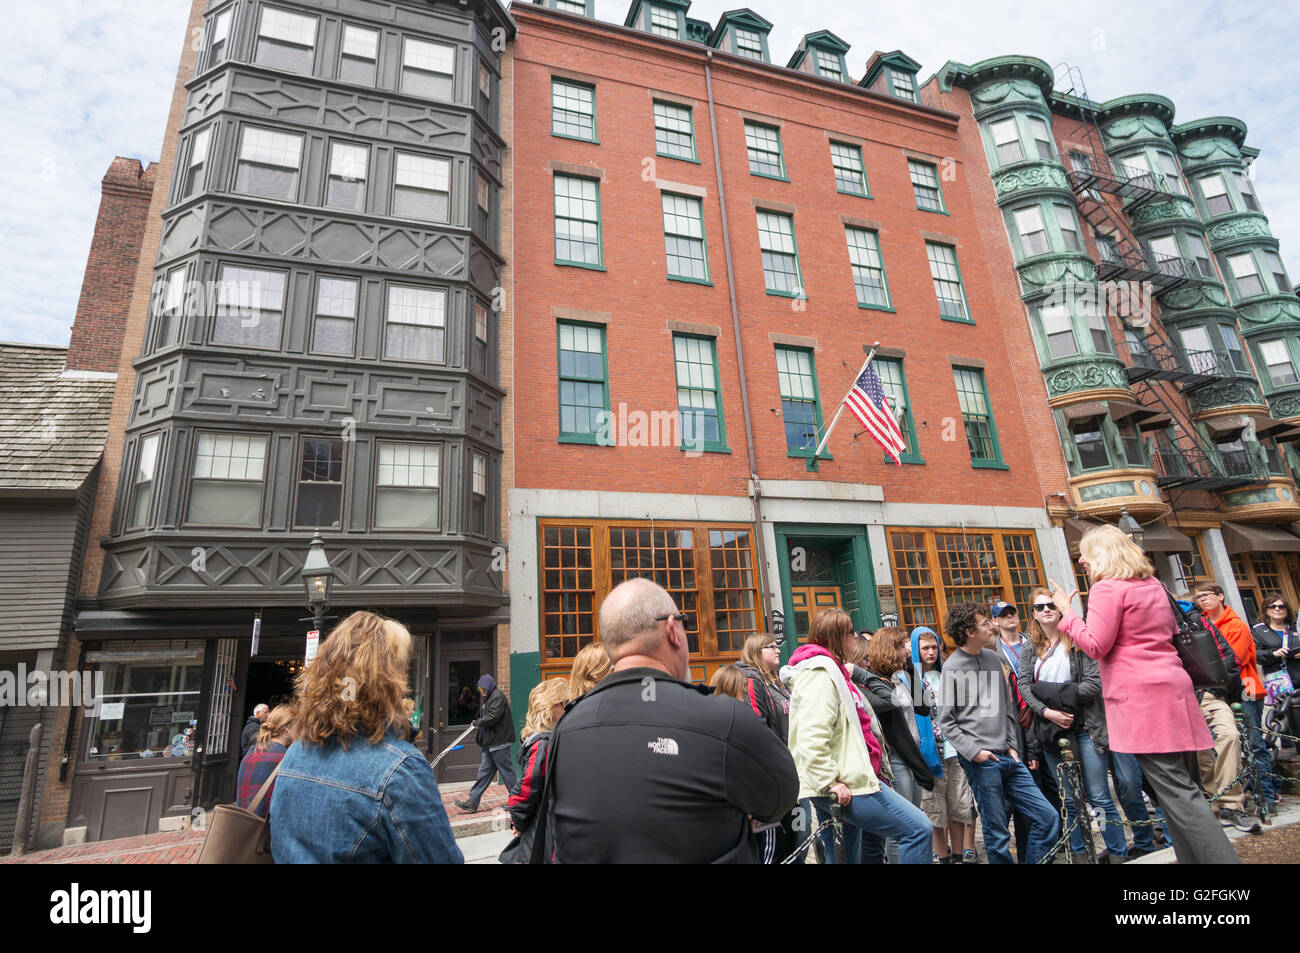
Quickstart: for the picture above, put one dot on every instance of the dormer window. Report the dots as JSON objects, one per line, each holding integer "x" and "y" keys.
{"x": 663, "y": 22}
{"x": 572, "y": 6}
{"x": 902, "y": 85}
{"x": 828, "y": 64}
{"x": 749, "y": 44}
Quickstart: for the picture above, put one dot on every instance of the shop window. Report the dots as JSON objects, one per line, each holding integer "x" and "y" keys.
{"x": 150, "y": 704}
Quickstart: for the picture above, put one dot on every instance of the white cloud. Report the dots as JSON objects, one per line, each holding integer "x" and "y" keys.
{"x": 93, "y": 79}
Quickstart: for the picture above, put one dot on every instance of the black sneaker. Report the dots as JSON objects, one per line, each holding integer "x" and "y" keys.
{"x": 467, "y": 807}
{"x": 1240, "y": 821}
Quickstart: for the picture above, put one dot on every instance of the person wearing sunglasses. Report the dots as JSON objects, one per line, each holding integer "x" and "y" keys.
{"x": 1151, "y": 705}
{"x": 1277, "y": 649}
{"x": 767, "y": 696}
{"x": 1062, "y": 687}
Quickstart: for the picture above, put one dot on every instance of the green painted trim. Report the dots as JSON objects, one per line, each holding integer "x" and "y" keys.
{"x": 525, "y": 673}
{"x": 704, "y": 241}
{"x": 961, "y": 283}
{"x": 719, "y": 445}
{"x": 865, "y": 579}
{"x": 560, "y": 135}
{"x": 983, "y": 463}
{"x": 862, "y": 167}
{"x": 943, "y": 205}
{"x": 580, "y": 264}
{"x": 585, "y": 438}
{"x": 780, "y": 151}
{"x": 690, "y": 112}
{"x": 878, "y": 307}
{"x": 764, "y": 175}
{"x": 914, "y": 457}
{"x": 818, "y": 420}
{"x": 802, "y": 293}
{"x": 988, "y": 465}
{"x": 600, "y": 224}
{"x": 595, "y": 134}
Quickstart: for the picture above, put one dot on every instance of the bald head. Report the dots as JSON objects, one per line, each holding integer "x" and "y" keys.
{"x": 628, "y": 618}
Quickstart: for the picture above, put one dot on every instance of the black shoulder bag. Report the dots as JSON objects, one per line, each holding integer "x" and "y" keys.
{"x": 1205, "y": 654}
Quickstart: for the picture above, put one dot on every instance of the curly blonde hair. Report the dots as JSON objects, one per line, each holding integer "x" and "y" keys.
{"x": 357, "y": 683}
{"x": 1112, "y": 555}
{"x": 545, "y": 695}
{"x": 590, "y": 665}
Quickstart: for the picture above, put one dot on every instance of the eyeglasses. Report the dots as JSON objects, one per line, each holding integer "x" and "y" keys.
{"x": 771, "y": 645}
{"x": 1278, "y": 605}
{"x": 1044, "y": 606}
{"x": 679, "y": 616}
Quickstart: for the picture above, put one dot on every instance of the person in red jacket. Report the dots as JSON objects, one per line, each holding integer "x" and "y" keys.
{"x": 545, "y": 707}
{"x": 1210, "y": 600}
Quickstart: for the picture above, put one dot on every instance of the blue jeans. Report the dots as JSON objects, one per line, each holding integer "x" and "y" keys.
{"x": 494, "y": 760}
{"x": 1096, "y": 789}
{"x": 1253, "y": 713}
{"x": 1128, "y": 785}
{"x": 1002, "y": 784}
{"x": 905, "y": 784}
{"x": 885, "y": 813}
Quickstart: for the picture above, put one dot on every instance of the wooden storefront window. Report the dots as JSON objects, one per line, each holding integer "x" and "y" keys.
{"x": 1257, "y": 574}
{"x": 934, "y": 569}
{"x": 708, "y": 568}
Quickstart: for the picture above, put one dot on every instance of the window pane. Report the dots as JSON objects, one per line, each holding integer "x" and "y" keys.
{"x": 780, "y": 262}
{"x": 268, "y": 164}
{"x": 684, "y": 237}
{"x": 674, "y": 135}
{"x": 427, "y": 69}
{"x": 577, "y": 220}
{"x": 573, "y": 110}
{"x": 764, "y": 146}
{"x": 925, "y": 186}
{"x": 415, "y": 324}
{"x": 250, "y": 307}
{"x": 867, "y": 266}
{"x": 346, "y": 187}
{"x": 850, "y": 176}
{"x": 947, "y": 280}
{"x": 697, "y": 390}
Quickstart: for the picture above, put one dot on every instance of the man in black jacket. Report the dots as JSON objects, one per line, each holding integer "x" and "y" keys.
{"x": 650, "y": 768}
{"x": 496, "y": 730}
{"x": 248, "y": 736}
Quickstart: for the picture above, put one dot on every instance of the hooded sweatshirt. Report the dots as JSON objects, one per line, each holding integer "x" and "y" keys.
{"x": 924, "y": 728}
{"x": 832, "y": 733}
{"x": 495, "y": 726}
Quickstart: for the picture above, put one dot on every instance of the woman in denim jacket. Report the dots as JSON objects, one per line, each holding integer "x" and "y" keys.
{"x": 351, "y": 789}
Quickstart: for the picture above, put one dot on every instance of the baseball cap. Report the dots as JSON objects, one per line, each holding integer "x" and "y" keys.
{"x": 1000, "y": 608}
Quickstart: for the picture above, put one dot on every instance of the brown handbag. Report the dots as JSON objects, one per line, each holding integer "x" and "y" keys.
{"x": 238, "y": 835}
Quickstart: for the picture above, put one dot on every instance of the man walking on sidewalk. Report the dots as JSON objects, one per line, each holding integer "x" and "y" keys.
{"x": 496, "y": 730}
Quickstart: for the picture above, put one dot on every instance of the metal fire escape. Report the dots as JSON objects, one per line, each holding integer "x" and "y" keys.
{"x": 1158, "y": 366}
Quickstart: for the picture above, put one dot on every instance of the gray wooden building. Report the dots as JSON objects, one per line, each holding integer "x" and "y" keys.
{"x": 321, "y": 356}
{"x": 53, "y": 426}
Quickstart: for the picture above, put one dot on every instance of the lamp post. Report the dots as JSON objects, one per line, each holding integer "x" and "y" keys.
{"x": 317, "y": 581}
{"x": 1130, "y": 527}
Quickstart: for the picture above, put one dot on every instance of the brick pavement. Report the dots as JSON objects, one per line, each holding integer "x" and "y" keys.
{"x": 182, "y": 847}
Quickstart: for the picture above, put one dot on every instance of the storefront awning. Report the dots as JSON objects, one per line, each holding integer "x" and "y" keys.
{"x": 1074, "y": 530}
{"x": 1251, "y": 538}
{"x": 1121, "y": 410}
{"x": 1160, "y": 538}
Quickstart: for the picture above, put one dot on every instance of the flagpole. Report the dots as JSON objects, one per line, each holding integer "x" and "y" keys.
{"x": 836, "y": 419}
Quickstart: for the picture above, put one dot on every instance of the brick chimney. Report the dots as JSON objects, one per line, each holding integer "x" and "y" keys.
{"x": 100, "y": 324}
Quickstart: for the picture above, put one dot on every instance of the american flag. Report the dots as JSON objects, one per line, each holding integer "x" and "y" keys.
{"x": 868, "y": 403}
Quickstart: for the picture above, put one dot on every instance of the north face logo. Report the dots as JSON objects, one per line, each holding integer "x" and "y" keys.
{"x": 663, "y": 746}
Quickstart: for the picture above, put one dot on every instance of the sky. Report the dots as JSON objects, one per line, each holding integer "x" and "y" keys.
{"x": 87, "y": 80}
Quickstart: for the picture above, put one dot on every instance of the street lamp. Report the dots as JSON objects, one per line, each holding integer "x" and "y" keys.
{"x": 317, "y": 581}
{"x": 1130, "y": 527}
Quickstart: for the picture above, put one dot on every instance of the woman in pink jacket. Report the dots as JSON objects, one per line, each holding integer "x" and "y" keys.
{"x": 1151, "y": 708}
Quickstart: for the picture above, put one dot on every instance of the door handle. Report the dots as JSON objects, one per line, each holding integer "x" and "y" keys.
{"x": 440, "y": 726}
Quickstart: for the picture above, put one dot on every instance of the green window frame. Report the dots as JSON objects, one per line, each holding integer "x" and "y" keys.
{"x": 850, "y": 170}
{"x": 925, "y": 186}
{"x": 573, "y": 110}
{"x": 675, "y": 131}
{"x": 685, "y": 249}
{"x": 572, "y": 6}
{"x": 747, "y": 43}
{"x": 977, "y": 418}
{"x": 1277, "y": 362}
{"x": 699, "y": 394}
{"x": 902, "y": 85}
{"x": 894, "y": 383}
{"x": 763, "y": 144}
{"x": 828, "y": 64}
{"x": 577, "y": 222}
{"x": 663, "y": 21}
{"x": 801, "y": 407}
{"x": 868, "y": 267}
{"x": 1090, "y": 444}
{"x": 781, "y": 275}
{"x": 583, "y": 368}
{"x": 948, "y": 287}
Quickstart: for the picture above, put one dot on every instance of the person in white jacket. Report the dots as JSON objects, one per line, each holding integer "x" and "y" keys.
{"x": 837, "y": 746}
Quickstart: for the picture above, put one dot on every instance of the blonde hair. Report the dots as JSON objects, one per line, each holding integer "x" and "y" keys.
{"x": 279, "y": 723}
{"x": 590, "y": 665}
{"x": 545, "y": 695}
{"x": 1037, "y": 636}
{"x": 752, "y": 655}
{"x": 1112, "y": 555}
{"x": 728, "y": 680}
{"x": 357, "y": 683}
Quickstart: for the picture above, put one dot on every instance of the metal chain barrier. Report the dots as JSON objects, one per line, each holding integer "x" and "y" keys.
{"x": 801, "y": 850}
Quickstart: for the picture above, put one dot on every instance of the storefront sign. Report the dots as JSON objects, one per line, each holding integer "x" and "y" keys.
{"x": 257, "y": 636}
{"x": 111, "y": 711}
{"x": 313, "y": 643}
{"x": 161, "y": 716}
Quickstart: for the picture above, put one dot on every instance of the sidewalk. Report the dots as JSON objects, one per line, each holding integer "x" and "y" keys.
{"x": 182, "y": 847}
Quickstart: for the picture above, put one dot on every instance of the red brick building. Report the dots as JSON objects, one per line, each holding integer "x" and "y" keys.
{"x": 706, "y": 240}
